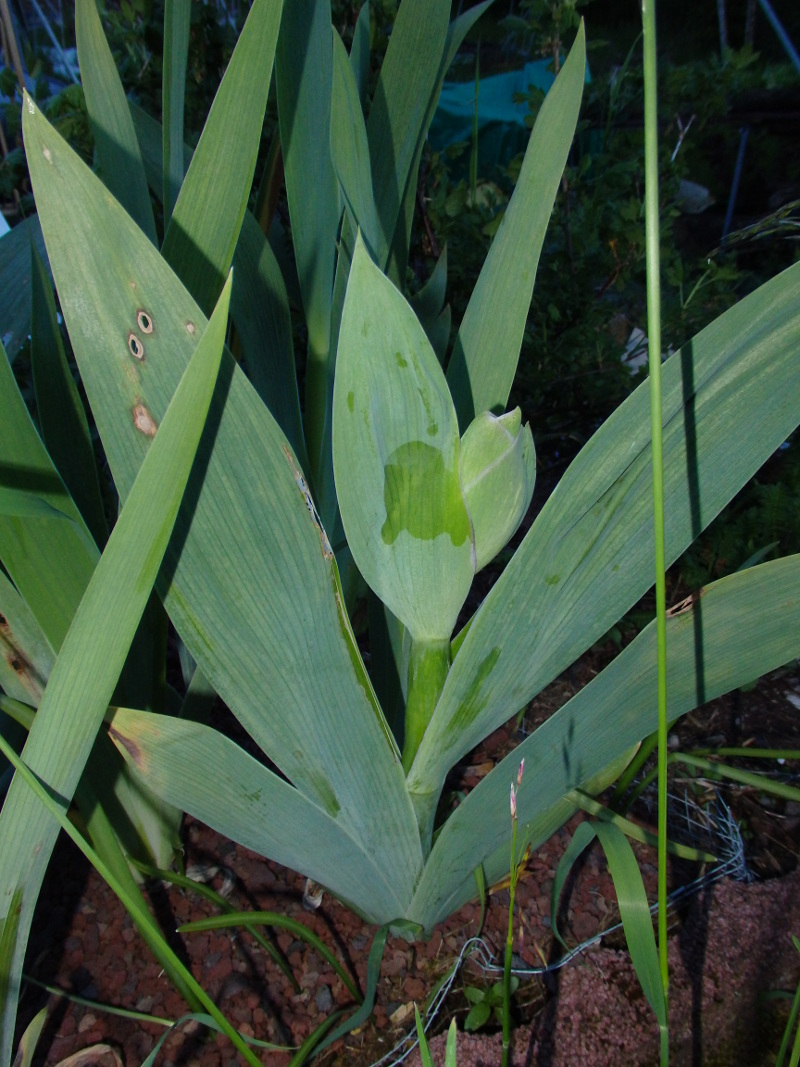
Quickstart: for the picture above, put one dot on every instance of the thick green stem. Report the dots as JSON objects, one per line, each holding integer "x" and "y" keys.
{"x": 427, "y": 669}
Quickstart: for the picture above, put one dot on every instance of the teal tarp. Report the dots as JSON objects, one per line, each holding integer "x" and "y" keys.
{"x": 502, "y": 133}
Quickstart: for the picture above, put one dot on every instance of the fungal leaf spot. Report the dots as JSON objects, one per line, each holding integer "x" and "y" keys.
{"x": 47, "y": 155}
{"x": 144, "y": 321}
{"x": 190, "y": 327}
{"x": 136, "y": 347}
{"x": 144, "y": 421}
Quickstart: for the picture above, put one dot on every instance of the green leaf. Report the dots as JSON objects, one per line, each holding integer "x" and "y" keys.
{"x": 270, "y": 633}
{"x": 395, "y": 449}
{"x": 456, "y": 33}
{"x": 635, "y": 914}
{"x": 26, "y": 656}
{"x": 204, "y": 228}
{"x": 349, "y": 148}
{"x": 45, "y": 546}
{"x": 259, "y": 302}
{"x": 478, "y": 1016}
{"x": 484, "y": 359}
{"x": 400, "y": 108}
{"x": 304, "y": 78}
{"x": 424, "y": 1051}
{"x": 260, "y": 311}
{"x": 429, "y": 301}
{"x": 93, "y": 653}
{"x": 65, "y": 429}
{"x": 252, "y": 805}
{"x": 9, "y": 935}
{"x": 114, "y": 137}
{"x": 30, "y": 1039}
{"x": 177, "y": 23}
{"x": 15, "y": 283}
{"x": 497, "y": 467}
{"x": 742, "y": 626}
{"x": 730, "y": 398}
{"x": 359, "y": 51}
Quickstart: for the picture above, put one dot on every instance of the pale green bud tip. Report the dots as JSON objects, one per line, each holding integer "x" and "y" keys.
{"x": 497, "y": 467}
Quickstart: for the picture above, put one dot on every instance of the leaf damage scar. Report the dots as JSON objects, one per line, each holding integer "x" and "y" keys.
{"x": 130, "y": 746}
{"x": 144, "y": 421}
{"x": 300, "y": 482}
{"x": 687, "y": 604}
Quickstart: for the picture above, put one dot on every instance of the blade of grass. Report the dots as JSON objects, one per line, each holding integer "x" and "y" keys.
{"x": 193, "y": 886}
{"x": 282, "y": 922}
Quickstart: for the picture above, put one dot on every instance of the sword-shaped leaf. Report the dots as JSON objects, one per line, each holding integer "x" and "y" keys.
{"x": 254, "y": 806}
{"x": 205, "y": 223}
{"x": 486, "y": 351}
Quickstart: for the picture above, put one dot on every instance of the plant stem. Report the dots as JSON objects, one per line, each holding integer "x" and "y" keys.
{"x": 654, "y": 335}
{"x": 428, "y": 665}
{"x": 512, "y": 885}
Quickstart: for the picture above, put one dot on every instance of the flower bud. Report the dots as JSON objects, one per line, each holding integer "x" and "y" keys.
{"x": 497, "y": 466}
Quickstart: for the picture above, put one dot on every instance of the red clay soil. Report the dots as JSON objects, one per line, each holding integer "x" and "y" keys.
{"x": 730, "y": 944}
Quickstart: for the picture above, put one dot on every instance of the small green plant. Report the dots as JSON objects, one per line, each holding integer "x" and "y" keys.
{"x": 487, "y": 1004}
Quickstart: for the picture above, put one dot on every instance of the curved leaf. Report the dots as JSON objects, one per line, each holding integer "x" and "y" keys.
{"x": 250, "y": 804}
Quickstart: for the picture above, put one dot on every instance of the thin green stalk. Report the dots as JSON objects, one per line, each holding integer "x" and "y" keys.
{"x": 133, "y": 906}
{"x": 654, "y": 335}
{"x": 512, "y": 886}
{"x": 509, "y": 947}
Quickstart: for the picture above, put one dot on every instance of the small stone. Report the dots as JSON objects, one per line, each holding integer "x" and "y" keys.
{"x": 87, "y": 1022}
{"x": 323, "y": 999}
